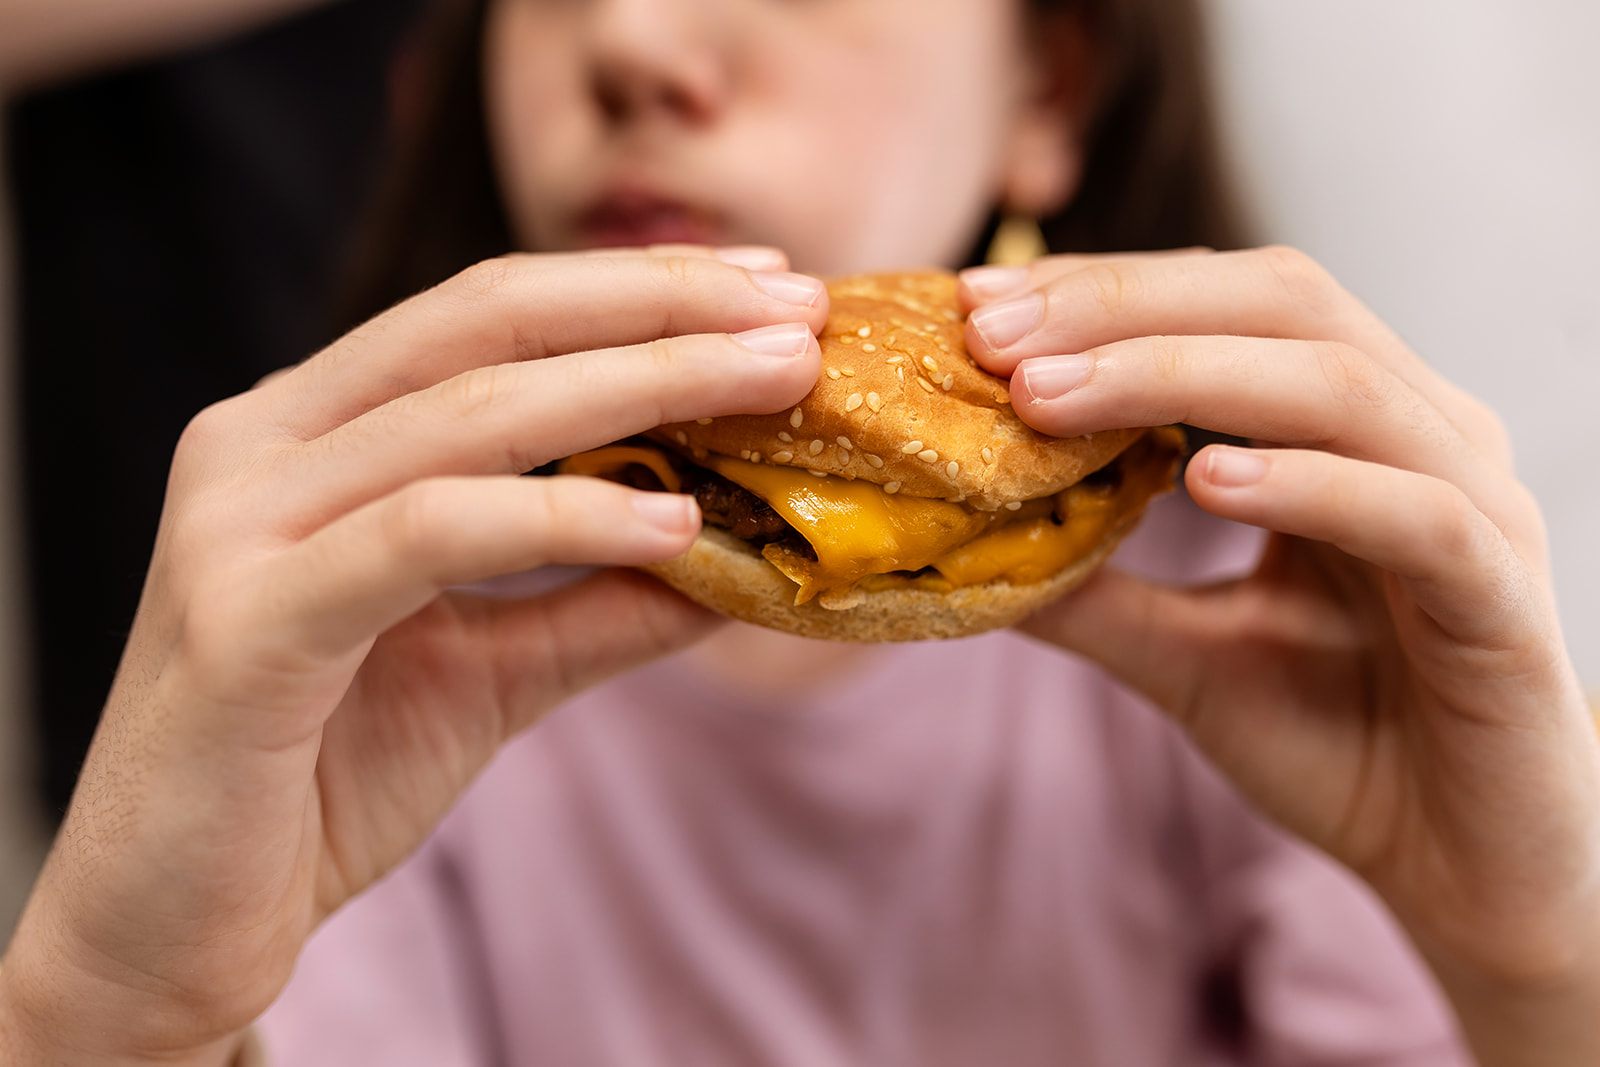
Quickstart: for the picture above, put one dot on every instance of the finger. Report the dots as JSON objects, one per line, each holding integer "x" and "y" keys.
{"x": 987, "y": 284}
{"x": 367, "y": 571}
{"x": 1452, "y": 561}
{"x": 516, "y": 417}
{"x": 1270, "y": 292}
{"x": 527, "y": 308}
{"x": 549, "y": 649}
{"x": 1303, "y": 393}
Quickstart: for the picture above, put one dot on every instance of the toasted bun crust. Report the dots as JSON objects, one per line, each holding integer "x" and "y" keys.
{"x": 907, "y": 380}
{"x": 726, "y": 575}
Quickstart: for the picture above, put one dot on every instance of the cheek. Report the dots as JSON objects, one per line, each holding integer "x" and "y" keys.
{"x": 536, "y": 118}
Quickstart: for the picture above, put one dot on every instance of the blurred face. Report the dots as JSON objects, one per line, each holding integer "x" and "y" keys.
{"x": 855, "y": 134}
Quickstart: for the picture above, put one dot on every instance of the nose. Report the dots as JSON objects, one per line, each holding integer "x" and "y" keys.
{"x": 658, "y": 58}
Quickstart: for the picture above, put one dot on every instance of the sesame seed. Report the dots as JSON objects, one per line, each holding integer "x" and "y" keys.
{"x": 988, "y": 455}
{"x": 755, "y": 457}
{"x": 848, "y": 372}
{"x": 895, "y": 359}
{"x": 892, "y": 488}
{"x": 816, "y": 447}
{"x": 874, "y": 460}
{"x": 783, "y": 457}
{"x": 1013, "y": 505}
{"x": 744, "y": 453}
{"x": 900, "y": 372}
{"x": 818, "y": 474}
{"x": 865, "y": 331}
{"x": 682, "y": 437}
{"x": 952, "y": 469}
{"x": 869, "y": 347}
{"x": 927, "y": 385}
{"x": 875, "y": 402}
{"x": 928, "y": 455}
{"x": 911, "y": 448}
{"x": 703, "y": 422}
{"x": 797, "y": 418}
{"x": 927, "y": 361}
{"x": 833, "y": 374}
{"x": 786, "y": 437}
{"x": 847, "y": 340}
{"x": 852, "y": 402}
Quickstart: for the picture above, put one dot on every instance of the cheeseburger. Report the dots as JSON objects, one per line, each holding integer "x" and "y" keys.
{"x": 902, "y": 499}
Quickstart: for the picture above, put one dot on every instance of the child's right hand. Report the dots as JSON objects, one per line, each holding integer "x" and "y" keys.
{"x": 301, "y": 699}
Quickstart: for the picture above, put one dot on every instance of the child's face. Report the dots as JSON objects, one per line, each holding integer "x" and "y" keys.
{"x": 855, "y": 134}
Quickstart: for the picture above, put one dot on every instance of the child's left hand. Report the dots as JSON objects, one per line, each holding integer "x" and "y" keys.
{"x": 1390, "y": 683}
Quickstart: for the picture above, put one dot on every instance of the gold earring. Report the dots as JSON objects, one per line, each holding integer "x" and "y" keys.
{"x": 1017, "y": 242}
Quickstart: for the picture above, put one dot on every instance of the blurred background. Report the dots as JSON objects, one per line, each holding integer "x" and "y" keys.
{"x": 1442, "y": 157}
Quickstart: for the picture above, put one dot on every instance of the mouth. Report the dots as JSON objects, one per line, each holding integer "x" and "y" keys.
{"x": 628, "y": 220}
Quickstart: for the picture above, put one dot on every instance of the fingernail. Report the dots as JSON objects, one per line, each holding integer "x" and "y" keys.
{"x": 790, "y": 288}
{"x": 990, "y": 283}
{"x": 1234, "y": 468}
{"x": 1003, "y": 325}
{"x": 1049, "y": 377}
{"x": 669, "y": 512}
{"x": 752, "y": 257}
{"x": 787, "y": 339}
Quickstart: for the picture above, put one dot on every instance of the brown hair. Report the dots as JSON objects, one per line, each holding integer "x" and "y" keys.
{"x": 1153, "y": 178}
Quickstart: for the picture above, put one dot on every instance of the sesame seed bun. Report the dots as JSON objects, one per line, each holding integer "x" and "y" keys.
{"x": 900, "y": 403}
{"x": 726, "y": 575}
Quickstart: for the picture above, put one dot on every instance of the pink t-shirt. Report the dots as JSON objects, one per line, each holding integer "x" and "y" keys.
{"x": 978, "y": 852}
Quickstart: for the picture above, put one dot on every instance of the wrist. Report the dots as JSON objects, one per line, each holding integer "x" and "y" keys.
{"x": 30, "y": 1036}
{"x": 1549, "y": 1021}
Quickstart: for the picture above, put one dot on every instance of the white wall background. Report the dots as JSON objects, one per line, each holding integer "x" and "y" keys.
{"x": 1442, "y": 158}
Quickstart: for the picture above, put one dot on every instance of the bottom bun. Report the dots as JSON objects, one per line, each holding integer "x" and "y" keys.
{"x": 728, "y": 576}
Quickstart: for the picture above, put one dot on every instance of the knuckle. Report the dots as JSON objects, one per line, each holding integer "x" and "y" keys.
{"x": 678, "y": 271}
{"x": 1351, "y": 375}
{"x": 213, "y": 626}
{"x": 409, "y": 523}
{"x": 1304, "y": 279}
{"x": 1169, "y": 360}
{"x": 1456, "y": 527}
{"x": 475, "y": 393}
{"x": 485, "y": 281}
{"x": 661, "y": 356}
{"x": 1114, "y": 285}
{"x": 209, "y": 427}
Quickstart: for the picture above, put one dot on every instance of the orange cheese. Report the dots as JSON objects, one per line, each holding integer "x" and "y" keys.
{"x": 612, "y": 458}
{"x": 855, "y": 528}
{"x": 1035, "y": 549}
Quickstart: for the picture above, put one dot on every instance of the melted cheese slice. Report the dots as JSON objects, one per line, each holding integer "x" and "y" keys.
{"x": 855, "y": 528}
{"x": 612, "y": 458}
{"x": 1036, "y": 549}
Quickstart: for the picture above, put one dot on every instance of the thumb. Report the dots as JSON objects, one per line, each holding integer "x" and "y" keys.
{"x": 549, "y": 648}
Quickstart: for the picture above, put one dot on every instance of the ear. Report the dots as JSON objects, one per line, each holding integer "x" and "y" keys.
{"x": 1045, "y": 157}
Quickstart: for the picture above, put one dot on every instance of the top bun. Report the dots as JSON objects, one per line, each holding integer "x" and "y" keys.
{"x": 901, "y": 404}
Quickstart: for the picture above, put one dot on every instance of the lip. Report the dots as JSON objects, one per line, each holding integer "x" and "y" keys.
{"x": 629, "y": 219}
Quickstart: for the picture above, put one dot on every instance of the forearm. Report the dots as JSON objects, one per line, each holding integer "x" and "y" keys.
{"x": 41, "y": 40}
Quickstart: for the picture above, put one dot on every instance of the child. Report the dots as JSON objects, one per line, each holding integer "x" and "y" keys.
{"x": 767, "y": 850}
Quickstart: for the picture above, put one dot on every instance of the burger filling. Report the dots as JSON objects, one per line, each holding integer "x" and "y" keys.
{"x": 830, "y": 535}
